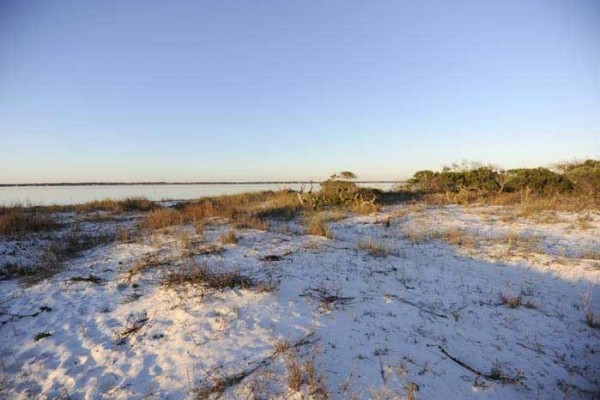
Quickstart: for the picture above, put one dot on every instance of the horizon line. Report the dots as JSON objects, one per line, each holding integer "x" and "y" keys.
{"x": 148, "y": 183}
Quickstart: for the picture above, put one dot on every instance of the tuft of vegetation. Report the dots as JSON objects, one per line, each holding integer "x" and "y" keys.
{"x": 300, "y": 374}
{"x": 511, "y": 300}
{"x": 316, "y": 224}
{"x": 206, "y": 277}
{"x": 229, "y": 237}
{"x": 592, "y": 319}
{"x": 374, "y": 248}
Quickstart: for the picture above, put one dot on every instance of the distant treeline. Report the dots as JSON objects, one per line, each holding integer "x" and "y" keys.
{"x": 176, "y": 183}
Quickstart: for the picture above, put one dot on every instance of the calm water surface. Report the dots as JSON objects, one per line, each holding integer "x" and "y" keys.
{"x": 64, "y": 195}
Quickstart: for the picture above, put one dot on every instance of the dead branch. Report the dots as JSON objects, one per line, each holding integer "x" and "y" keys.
{"x": 21, "y": 316}
{"x": 494, "y": 375}
{"x": 221, "y": 384}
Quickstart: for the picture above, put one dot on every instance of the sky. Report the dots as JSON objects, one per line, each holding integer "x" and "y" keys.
{"x": 245, "y": 90}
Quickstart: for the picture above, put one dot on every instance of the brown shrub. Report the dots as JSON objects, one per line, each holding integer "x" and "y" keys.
{"x": 17, "y": 221}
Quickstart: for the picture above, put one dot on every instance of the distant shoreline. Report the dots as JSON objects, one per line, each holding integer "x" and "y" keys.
{"x": 173, "y": 183}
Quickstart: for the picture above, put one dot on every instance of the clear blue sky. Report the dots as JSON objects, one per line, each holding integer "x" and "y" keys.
{"x": 294, "y": 89}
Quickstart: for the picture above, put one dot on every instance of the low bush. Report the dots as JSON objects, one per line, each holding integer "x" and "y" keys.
{"x": 585, "y": 175}
{"x": 340, "y": 191}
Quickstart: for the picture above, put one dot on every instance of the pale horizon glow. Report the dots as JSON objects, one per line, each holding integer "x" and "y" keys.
{"x": 280, "y": 91}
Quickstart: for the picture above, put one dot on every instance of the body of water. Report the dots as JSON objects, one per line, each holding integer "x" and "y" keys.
{"x": 65, "y": 195}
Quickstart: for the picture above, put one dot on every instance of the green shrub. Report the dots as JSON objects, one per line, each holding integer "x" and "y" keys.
{"x": 484, "y": 179}
{"x": 584, "y": 175}
{"x": 340, "y": 191}
{"x": 540, "y": 181}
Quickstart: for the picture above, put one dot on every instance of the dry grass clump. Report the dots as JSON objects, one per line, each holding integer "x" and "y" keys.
{"x": 149, "y": 262}
{"x": 229, "y": 237}
{"x": 453, "y": 236}
{"x": 511, "y": 300}
{"x": 365, "y": 208}
{"x": 249, "y": 222}
{"x": 56, "y": 252}
{"x": 525, "y": 243}
{"x": 13, "y": 270}
{"x": 584, "y": 222}
{"x": 261, "y": 205}
{"x": 416, "y": 236}
{"x": 203, "y": 276}
{"x": 125, "y": 235}
{"x": 207, "y": 249}
{"x": 244, "y": 211}
{"x": 73, "y": 243}
{"x": 252, "y": 210}
{"x": 592, "y": 319}
{"x": 131, "y": 204}
{"x": 161, "y": 218}
{"x": 533, "y": 206}
{"x": 374, "y": 248}
{"x": 316, "y": 224}
{"x": 15, "y": 221}
{"x": 458, "y": 237}
{"x": 526, "y": 204}
{"x": 300, "y": 374}
{"x": 260, "y": 371}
